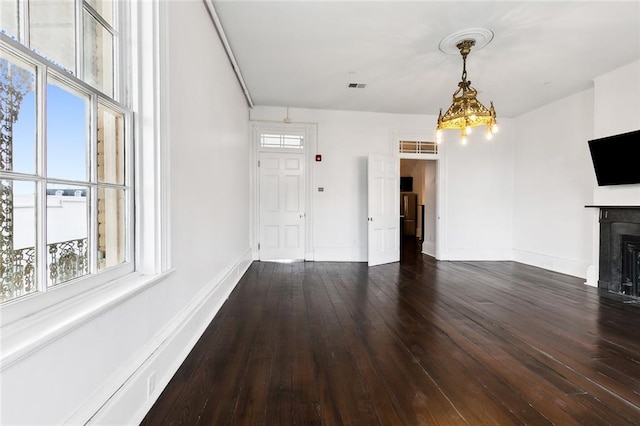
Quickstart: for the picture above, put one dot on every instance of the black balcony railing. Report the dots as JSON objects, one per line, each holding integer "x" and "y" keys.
{"x": 66, "y": 260}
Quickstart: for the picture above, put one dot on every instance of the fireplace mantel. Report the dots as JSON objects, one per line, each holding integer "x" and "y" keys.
{"x": 608, "y": 197}
{"x": 609, "y": 206}
{"x": 617, "y": 226}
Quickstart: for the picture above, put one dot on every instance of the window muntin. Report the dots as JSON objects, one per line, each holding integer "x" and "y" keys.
{"x": 65, "y": 193}
{"x": 282, "y": 141}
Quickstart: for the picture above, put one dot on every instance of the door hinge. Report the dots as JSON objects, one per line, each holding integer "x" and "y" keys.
{"x": 258, "y": 163}
{"x": 258, "y": 246}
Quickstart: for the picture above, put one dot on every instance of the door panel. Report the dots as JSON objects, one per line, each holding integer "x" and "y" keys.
{"x": 282, "y": 206}
{"x": 384, "y": 209}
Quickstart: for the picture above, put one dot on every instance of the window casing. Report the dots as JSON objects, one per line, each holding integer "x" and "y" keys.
{"x": 66, "y": 152}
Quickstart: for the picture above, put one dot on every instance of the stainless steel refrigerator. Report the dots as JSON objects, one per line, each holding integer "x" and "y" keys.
{"x": 409, "y": 213}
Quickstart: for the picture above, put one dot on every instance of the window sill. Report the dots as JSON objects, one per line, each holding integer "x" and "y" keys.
{"x": 24, "y": 336}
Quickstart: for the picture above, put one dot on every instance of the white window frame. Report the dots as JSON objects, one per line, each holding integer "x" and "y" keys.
{"x": 45, "y": 68}
{"x": 29, "y": 322}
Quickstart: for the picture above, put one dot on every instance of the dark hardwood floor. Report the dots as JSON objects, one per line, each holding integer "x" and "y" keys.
{"x": 420, "y": 343}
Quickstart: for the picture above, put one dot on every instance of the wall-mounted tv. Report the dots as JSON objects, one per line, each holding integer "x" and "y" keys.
{"x": 616, "y": 159}
{"x": 406, "y": 184}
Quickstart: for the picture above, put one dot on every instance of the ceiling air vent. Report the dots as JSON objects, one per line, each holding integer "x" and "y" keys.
{"x": 357, "y": 85}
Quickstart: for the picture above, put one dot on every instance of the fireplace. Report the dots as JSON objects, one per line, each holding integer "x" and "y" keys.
{"x": 630, "y": 270}
{"x": 620, "y": 250}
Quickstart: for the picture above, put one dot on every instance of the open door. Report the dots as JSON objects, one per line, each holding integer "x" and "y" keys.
{"x": 384, "y": 209}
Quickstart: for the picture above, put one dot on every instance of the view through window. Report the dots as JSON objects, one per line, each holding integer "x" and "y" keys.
{"x": 65, "y": 190}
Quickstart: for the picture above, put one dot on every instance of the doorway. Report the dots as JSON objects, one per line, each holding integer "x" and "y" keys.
{"x": 418, "y": 209}
{"x": 281, "y": 227}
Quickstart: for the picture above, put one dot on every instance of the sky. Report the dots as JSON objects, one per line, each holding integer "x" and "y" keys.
{"x": 66, "y": 132}
{"x": 67, "y": 135}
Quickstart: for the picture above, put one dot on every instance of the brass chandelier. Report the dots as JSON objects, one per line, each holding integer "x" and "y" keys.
{"x": 466, "y": 111}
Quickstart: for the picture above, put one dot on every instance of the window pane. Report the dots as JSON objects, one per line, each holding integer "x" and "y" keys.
{"x": 67, "y": 230}
{"x": 52, "y": 30}
{"x": 111, "y": 224}
{"x": 281, "y": 141}
{"x": 98, "y": 55}
{"x": 104, "y": 8}
{"x": 110, "y": 146}
{"x": 17, "y": 239}
{"x": 67, "y": 130}
{"x": 9, "y": 22}
{"x": 17, "y": 115}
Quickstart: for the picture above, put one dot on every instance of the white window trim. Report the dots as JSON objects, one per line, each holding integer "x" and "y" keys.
{"x": 34, "y": 321}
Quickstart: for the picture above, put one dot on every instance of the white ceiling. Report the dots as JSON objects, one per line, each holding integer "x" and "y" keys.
{"x": 304, "y": 53}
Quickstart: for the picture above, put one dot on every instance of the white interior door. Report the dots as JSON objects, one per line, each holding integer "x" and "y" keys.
{"x": 384, "y": 209}
{"x": 282, "y": 206}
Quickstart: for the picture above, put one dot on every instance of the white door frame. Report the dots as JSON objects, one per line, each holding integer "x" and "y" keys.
{"x": 441, "y": 184}
{"x": 256, "y": 128}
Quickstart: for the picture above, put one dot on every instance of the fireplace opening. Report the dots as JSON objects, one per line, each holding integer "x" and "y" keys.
{"x": 620, "y": 251}
{"x": 630, "y": 271}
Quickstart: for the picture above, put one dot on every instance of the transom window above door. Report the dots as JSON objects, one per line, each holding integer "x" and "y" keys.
{"x": 282, "y": 141}
{"x": 417, "y": 147}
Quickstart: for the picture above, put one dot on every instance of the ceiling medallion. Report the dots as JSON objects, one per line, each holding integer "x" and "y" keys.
{"x": 482, "y": 37}
{"x": 466, "y": 111}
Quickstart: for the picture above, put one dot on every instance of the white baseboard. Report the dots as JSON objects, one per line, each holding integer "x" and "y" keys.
{"x": 330, "y": 254}
{"x": 592, "y": 277}
{"x": 131, "y": 395}
{"x": 571, "y": 267}
{"x": 429, "y": 247}
{"x": 471, "y": 254}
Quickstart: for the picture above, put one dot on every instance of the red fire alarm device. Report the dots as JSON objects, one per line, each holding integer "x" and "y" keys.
{"x": 318, "y": 157}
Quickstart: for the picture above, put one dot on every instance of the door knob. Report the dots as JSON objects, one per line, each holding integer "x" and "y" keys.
{"x": 303, "y": 215}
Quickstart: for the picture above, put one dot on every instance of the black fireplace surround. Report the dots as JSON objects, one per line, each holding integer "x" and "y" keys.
{"x": 620, "y": 250}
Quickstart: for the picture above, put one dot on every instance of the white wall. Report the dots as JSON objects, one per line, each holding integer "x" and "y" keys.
{"x": 66, "y": 216}
{"x": 479, "y": 195}
{"x": 553, "y": 182}
{"x": 617, "y": 101}
{"x": 617, "y": 110}
{"x": 430, "y": 211}
{"x": 102, "y": 366}
{"x": 478, "y": 192}
{"x": 554, "y": 177}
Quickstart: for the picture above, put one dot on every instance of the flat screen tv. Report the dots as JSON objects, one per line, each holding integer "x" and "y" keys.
{"x": 616, "y": 159}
